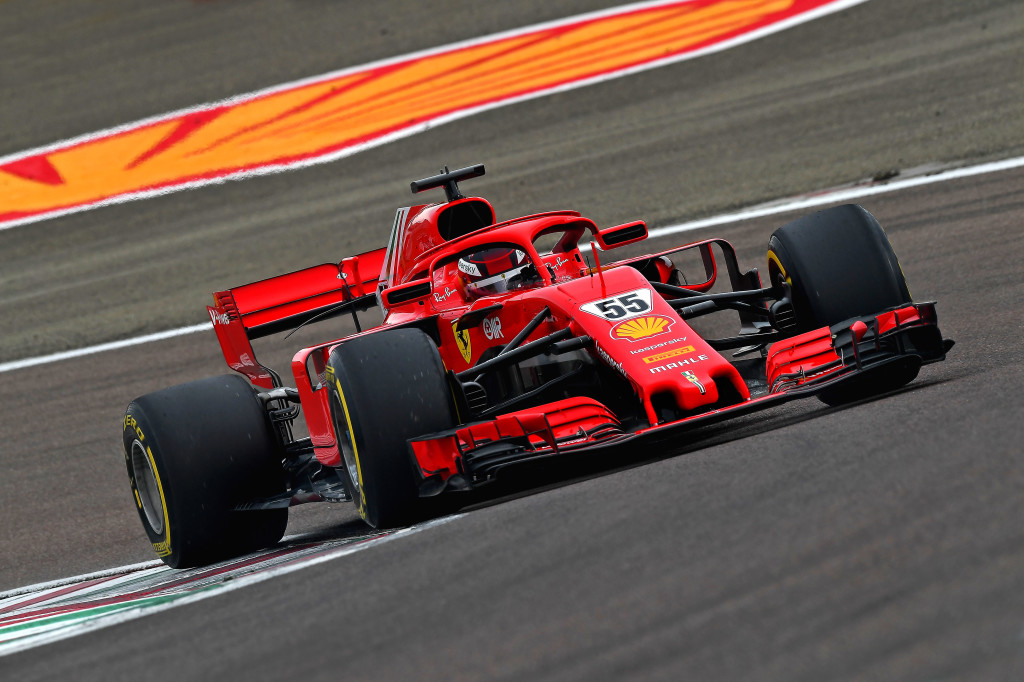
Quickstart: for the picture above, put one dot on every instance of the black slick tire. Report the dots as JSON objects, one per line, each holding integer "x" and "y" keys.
{"x": 840, "y": 265}
{"x": 386, "y": 388}
{"x": 194, "y": 452}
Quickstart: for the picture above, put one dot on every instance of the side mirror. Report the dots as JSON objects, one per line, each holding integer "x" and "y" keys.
{"x": 620, "y": 235}
{"x": 409, "y": 292}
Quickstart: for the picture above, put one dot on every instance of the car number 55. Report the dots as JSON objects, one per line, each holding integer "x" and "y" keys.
{"x": 620, "y": 306}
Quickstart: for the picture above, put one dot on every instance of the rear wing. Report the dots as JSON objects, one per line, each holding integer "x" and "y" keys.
{"x": 252, "y": 311}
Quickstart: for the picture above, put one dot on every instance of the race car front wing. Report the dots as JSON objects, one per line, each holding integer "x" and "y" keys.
{"x": 855, "y": 359}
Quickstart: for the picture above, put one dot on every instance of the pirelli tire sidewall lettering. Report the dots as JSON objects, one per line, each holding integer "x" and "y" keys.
{"x": 138, "y": 434}
{"x": 196, "y": 453}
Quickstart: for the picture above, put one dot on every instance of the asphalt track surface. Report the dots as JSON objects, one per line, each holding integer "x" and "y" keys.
{"x": 883, "y": 540}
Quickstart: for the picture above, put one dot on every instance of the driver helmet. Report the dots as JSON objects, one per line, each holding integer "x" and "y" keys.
{"x": 490, "y": 271}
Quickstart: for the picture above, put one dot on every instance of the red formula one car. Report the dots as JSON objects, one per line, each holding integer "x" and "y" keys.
{"x": 501, "y": 343}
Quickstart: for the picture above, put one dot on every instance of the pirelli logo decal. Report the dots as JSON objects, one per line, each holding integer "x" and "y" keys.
{"x": 651, "y": 359}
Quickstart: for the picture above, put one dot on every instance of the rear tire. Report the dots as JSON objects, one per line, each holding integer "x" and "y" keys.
{"x": 193, "y": 453}
{"x": 840, "y": 265}
{"x": 386, "y": 388}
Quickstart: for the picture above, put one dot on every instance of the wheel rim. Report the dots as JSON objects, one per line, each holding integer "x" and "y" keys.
{"x": 147, "y": 488}
{"x": 348, "y": 455}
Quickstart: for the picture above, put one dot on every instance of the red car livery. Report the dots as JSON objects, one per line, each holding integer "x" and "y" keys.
{"x": 500, "y": 343}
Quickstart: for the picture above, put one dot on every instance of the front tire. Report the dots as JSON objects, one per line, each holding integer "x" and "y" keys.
{"x": 386, "y": 388}
{"x": 193, "y": 453}
{"x": 840, "y": 265}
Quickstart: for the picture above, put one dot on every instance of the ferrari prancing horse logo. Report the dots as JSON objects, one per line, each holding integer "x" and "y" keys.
{"x": 462, "y": 341}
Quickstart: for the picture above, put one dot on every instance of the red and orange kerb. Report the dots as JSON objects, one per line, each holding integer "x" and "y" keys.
{"x": 338, "y": 114}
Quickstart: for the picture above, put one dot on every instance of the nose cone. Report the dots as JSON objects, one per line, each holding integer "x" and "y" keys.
{"x": 636, "y": 332}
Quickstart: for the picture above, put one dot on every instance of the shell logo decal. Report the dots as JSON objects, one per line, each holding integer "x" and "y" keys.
{"x": 642, "y": 327}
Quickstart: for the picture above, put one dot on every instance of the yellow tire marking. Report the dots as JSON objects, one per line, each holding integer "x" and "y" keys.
{"x": 772, "y": 258}
{"x": 162, "y": 548}
{"x": 355, "y": 450}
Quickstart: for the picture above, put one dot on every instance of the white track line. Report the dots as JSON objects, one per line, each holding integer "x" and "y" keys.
{"x": 803, "y": 202}
{"x": 773, "y": 208}
{"x": 113, "y": 345}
